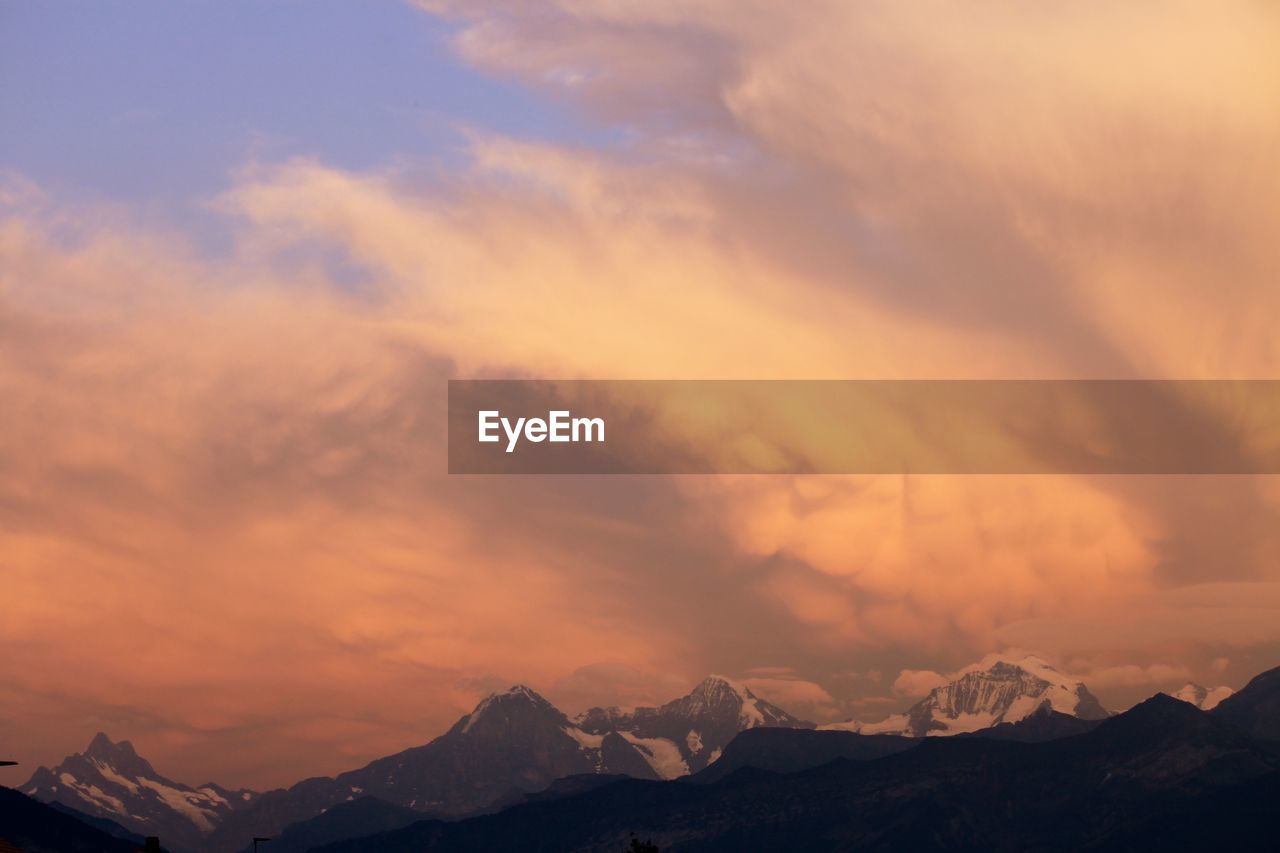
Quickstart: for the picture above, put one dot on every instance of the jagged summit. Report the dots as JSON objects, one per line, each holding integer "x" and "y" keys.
{"x": 103, "y": 745}
{"x": 109, "y": 779}
{"x": 722, "y": 683}
{"x": 716, "y": 689}
{"x": 998, "y": 689}
{"x": 118, "y": 753}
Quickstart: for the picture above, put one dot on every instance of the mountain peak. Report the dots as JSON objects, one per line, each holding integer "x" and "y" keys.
{"x": 520, "y": 691}
{"x": 732, "y": 702}
{"x": 109, "y": 751}
{"x": 997, "y": 689}
{"x": 515, "y": 694}
{"x": 720, "y": 685}
{"x": 517, "y": 698}
{"x": 100, "y": 743}
{"x": 1153, "y": 718}
{"x": 110, "y": 780}
{"x": 1159, "y": 709}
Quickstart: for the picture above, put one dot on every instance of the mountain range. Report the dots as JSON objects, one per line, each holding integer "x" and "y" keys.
{"x": 1163, "y": 775}
{"x": 515, "y": 751}
{"x": 513, "y": 743}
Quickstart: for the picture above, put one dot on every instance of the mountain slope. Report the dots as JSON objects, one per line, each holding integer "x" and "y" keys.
{"x": 106, "y": 824}
{"x": 346, "y": 820}
{"x": 793, "y": 750}
{"x": 1256, "y": 708}
{"x": 110, "y": 780}
{"x": 1003, "y": 692}
{"x": 39, "y": 828}
{"x": 1107, "y": 789}
{"x": 1044, "y": 724}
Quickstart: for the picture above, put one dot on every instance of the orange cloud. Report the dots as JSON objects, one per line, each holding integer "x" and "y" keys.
{"x": 224, "y": 524}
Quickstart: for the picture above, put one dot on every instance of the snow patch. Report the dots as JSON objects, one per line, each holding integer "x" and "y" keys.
{"x": 663, "y": 755}
{"x": 213, "y": 795}
{"x": 585, "y": 740}
{"x": 184, "y": 803}
{"x": 109, "y": 773}
{"x": 92, "y": 794}
{"x": 694, "y": 741}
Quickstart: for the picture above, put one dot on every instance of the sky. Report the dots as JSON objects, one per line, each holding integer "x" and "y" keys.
{"x": 244, "y": 245}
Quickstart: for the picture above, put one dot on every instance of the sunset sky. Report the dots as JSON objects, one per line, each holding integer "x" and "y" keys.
{"x": 243, "y": 245}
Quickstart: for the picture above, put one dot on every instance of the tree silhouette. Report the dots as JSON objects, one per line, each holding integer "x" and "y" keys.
{"x": 638, "y": 846}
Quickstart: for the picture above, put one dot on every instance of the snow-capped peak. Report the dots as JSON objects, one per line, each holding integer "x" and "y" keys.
{"x": 109, "y": 779}
{"x": 723, "y": 682}
{"x": 997, "y": 689}
{"x": 718, "y": 687}
{"x": 517, "y": 695}
{"x": 687, "y": 733}
{"x": 723, "y": 697}
{"x": 517, "y": 691}
{"x": 1202, "y": 697}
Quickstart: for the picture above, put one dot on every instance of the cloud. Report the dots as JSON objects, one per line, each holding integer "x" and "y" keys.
{"x": 793, "y": 693}
{"x": 1131, "y": 675}
{"x": 917, "y": 682}
{"x": 614, "y": 683}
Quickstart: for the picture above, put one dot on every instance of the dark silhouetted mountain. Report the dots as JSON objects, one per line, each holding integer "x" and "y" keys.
{"x": 107, "y": 825}
{"x": 110, "y": 780}
{"x": 361, "y": 816}
{"x": 1256, "y": 708}
{"x": 687, "y": 734}
{"x": 39, "y": 828}
{"x": 368, "y": 815}
{"x": 1003, "y": 692}
{"x": 566, "y": 787}
{"x": 793, "y": 750}
{"x": 1112, "y": 788}
{"x": 1043, "y": 724}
